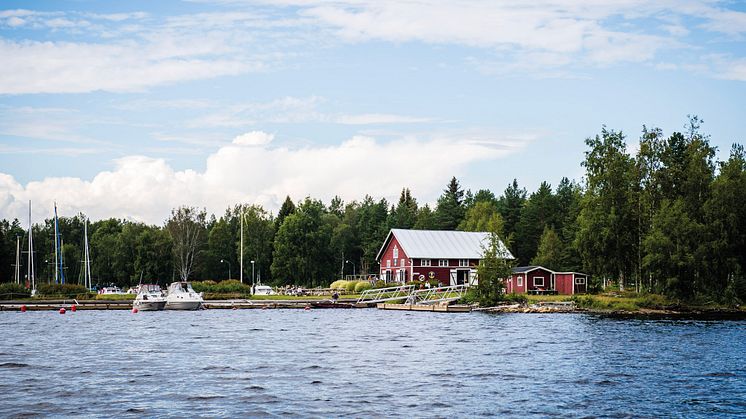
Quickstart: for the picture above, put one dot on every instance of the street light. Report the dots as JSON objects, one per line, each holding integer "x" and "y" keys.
{"x": 353, "y": 267}
{"x": 229, "y": 267}
{"x": 252, "y": 273}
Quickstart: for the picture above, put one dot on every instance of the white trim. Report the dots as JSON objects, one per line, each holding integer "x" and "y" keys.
{"x": 579, "y": 279}
{"x": 442, "y": 263}
{"x": 542, "y": 281}
{"x": 388, "y": 263}
{"x": 520, "y": 281}
{"x": 463, "y": 263}
{"x": 425, "y": 262}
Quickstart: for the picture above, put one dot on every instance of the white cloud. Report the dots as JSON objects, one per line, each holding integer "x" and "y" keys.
{"x": 144, "y": 188}
{"x": 254, "y": 138}
{"x": 378, "y": 118}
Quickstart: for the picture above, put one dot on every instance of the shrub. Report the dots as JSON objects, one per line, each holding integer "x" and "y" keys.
{"x": 380, "y": 284}
{"x": 362, "y": 286}
{"x": 115, "y": 297}
{"x": 350, "y": 286}
{"x": 9, "y": 291}
{"x": 61, "y": 290}
{"x": 231, "y": 286}
{"x": 339, "y": 284}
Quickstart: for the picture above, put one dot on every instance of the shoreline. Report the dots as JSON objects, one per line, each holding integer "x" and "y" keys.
{"x": 677, "y": 313}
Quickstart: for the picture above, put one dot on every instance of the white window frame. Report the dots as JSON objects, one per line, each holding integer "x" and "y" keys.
{"x": 580, "y": 280}
{"x": 443, "y": 263}
{"x": 463, "y": 263}
{"x": 388, "y": 263}
{"x": 520, "y": 280}
{"x": 401, "y": 275}
{"x": 425, "y": 262}
{"x": 403, "y": 263}
{"x": 542, "y": 281}
{"x": 396, "y": 262}
{"x": 396, "y": 252}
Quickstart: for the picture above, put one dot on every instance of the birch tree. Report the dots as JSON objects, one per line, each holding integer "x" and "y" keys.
{"x": 187, "y": 227}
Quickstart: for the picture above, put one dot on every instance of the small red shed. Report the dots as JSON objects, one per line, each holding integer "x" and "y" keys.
{"x": 528, "y": 279}
{"x": 571, "y": 282}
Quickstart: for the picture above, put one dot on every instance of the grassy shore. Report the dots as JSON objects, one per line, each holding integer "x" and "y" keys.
{"x": 632, "y": 302}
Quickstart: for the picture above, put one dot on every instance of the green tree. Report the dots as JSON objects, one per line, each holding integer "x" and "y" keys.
{"x": 606, "y": 237}
{"x": 482, "y": 216}
{"x": 259, "y": 234}
{"x": 405, "y": 213}
{"x": 510, "y": 206}
{"x": 550, "y": 250}
{"x": 450, "y": 210}
{"x": 425, "y": 219}
{"x": 302, "y": 250}
{"x": 540, "y": 211}
{"x": 286, "y": 209}
{"x": 493, "y": 269}
{"x": 187, "y": 227}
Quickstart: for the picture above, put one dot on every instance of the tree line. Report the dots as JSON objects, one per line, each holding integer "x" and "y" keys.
{"x": 668, "y": 218}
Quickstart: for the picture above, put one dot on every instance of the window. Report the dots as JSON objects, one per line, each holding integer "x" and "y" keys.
{"x": 463, "y": 262}
{"x": 403, "y": 263}
{"x": 402, "y": 275}
{"x": 388, "y": 263}
{"x": 520, "y": 281}
{"x": 396, "y": 252}
{"x": 538, "y": 281}
{"x": 580, "y": 280}
{"x": 425, "y": 262}
{"x": 396, "y": 262}
{"x": 443, "y": 262}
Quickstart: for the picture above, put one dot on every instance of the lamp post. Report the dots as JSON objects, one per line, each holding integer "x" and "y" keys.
{"x": 252, "y": 273}
{"x": 353, "y": 267}
{"x": 229, "y": 267}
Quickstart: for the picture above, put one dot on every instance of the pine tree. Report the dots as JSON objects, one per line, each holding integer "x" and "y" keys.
{"x": 450, "y": 210}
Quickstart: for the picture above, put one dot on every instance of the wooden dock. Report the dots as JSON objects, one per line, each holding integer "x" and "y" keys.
{"x": 442, "y": 308}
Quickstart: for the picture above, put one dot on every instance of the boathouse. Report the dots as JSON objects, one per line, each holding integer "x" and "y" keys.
{"x": 445, "y": 257}
{"x": 541, "y": 280}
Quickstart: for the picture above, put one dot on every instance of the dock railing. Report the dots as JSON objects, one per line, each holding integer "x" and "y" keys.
{"x": 380, "y": 295}
{"x": 437, "y": 295}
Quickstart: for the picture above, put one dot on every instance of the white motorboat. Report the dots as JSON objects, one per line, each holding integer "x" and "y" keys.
{"x": 149, "y": 298}
{"x": 263, "y": 290}
{"x": 181, "y": 296}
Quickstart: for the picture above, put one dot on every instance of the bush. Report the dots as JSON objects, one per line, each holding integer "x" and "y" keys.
{"x": 114, "y": 297}
{"x": 61, "y": 290}
{"x": 350, "y": 286}
{"x": 339, "y": 285}
{"x": 9, "y": 291}
{"x": 362, "y": 286}
{"x": 229, "y": 286}
{"x": 380, "y": 284}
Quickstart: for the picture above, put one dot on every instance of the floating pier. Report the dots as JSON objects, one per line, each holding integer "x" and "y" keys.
{"x": 442, "y": 308}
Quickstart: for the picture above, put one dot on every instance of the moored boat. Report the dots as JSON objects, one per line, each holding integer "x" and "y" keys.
{"x": 149, "y": 298}
{"x": 181, "y": 296}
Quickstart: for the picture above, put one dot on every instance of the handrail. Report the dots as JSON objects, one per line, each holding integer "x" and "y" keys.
{"x": 378, "y": 295}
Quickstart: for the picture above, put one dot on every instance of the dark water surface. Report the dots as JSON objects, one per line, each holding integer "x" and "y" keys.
{"x": 362, "y": 363}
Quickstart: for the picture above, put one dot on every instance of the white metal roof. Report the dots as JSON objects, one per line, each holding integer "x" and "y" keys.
{"x": 442, "y": 244}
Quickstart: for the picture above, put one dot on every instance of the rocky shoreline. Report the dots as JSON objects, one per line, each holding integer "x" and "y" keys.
{"x": 681, "y": 313}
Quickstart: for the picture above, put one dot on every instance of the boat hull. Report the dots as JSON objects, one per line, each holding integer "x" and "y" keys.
{"x": 183, "y": 305}
{"x": 149, "y": 305}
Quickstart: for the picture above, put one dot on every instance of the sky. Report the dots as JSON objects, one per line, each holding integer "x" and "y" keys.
{"x": 130, "y": 109}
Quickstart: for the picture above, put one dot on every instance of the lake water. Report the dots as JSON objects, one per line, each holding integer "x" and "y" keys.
{"x": 362, "y": 363}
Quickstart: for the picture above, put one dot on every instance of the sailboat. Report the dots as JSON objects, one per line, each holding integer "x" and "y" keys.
{"x": 31, "y": 282}
{"x": 87, "y": 282}
{"x": 59, "y": 272}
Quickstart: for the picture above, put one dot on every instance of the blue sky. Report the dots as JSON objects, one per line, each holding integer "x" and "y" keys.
{"x": 128, "y": 109}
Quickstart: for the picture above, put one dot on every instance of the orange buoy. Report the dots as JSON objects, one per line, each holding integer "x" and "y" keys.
{"x": 73, "y": 308}
{"x": 62, "y": 310}
{"x": 23, "y": 308}
{"x": 308, "y": 307}
{"x": 135, "y": 310}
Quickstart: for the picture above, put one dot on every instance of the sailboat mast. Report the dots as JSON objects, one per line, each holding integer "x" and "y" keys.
{"x": 87, "y": 261}
{"x": 241, "y": 250}
{"x": 59, "y": 274}
{"x": 18, "y": 260}
{"x": 30, "y": 273}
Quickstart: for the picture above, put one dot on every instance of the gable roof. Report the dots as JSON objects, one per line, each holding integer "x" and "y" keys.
{"x": 524, "y": 269}
{"x": 441, "y": 244}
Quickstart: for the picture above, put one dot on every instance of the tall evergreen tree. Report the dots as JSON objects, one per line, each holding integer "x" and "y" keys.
{"x": 286, "y": 209}
{"x": 510, "y": 205}
{"x": 450, "y": 210}
{"x": 404, "y": 215}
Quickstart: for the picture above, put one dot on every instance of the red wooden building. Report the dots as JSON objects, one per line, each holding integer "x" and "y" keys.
{"x": 538, "y": 279}
{"x": 448, "y": 257}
